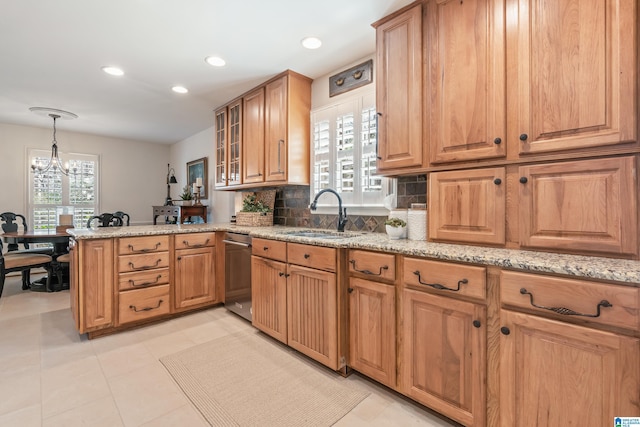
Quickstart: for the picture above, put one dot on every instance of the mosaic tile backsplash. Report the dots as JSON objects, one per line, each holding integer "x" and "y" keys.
{"x": 292, "y": 207}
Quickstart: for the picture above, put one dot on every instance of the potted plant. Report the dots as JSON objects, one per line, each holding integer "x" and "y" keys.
{"x": 254, "y": 212}
{"x": 396, "y": 228}
{"x": 186, "y": 196}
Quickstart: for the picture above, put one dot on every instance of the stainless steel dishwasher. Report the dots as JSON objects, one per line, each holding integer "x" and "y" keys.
{"x": 237, "y": 269}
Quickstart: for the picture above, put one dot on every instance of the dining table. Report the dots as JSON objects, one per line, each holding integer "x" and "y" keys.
{"x": 60, "y": 240}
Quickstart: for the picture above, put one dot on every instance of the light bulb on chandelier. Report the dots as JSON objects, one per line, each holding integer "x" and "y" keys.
{"x": 54, "y": 162}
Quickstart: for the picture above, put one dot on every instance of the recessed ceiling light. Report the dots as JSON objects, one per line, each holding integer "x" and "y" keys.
{"x": 180, "y": 89}
{"x": 215, "y": 61}
{"x": 311, "y": 42}
{"x": 114, "y": 71}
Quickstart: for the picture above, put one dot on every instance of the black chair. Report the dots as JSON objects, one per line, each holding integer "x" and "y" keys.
{"x": 23, "y": 262}
{"x": 11, "y": 223}
{"x": 122, "y": 215}
{"x": 106, "y": 220}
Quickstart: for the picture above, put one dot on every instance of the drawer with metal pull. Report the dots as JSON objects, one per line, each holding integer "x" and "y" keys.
{"x": 195, "y": 240}
{"x": 142, "y": 279}
{"x": 317, "y": 257}
{"x": 273, "y": 249}
{"x": 144, "y": 244}
{"x": 140, "y": 304}
{"x": 374, "y": 265}
{"x": 143, "y": 262}
{"x": 445, "y": 278}
{"x": 575, "y": 299}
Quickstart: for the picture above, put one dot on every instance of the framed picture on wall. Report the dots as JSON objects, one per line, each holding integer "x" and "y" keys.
{"x": 198, "y": 169}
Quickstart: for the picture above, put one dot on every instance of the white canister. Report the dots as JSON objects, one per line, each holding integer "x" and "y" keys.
{"x": 403, "y": 214}
{"x": 417, "y": 222}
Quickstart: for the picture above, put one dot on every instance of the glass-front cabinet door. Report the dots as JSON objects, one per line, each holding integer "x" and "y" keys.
{"x": 221, "y": 147}
{"x": 235, "y": 142}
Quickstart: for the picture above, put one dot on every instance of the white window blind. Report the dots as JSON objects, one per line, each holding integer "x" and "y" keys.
{"x": 344, "y": 155}
{"x": 52, "y": 193}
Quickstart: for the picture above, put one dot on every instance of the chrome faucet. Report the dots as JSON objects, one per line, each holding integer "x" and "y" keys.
{"x": 342, "y": 213}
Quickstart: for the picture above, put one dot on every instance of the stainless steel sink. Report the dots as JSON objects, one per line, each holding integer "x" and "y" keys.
{"x": 319, "y": 234}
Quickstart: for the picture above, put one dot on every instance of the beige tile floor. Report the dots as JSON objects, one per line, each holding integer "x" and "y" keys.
{"x": 52, "y": 376}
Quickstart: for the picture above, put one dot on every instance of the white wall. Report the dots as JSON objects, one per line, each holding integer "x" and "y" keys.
{"x": 220, "y": 203}
{"x": 132, "y": 177}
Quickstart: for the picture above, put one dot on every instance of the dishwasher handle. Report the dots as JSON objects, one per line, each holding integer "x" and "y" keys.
{"x": 231, "y": 242}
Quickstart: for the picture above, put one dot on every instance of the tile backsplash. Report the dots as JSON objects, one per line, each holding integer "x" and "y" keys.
{"x": 292, "y": 207}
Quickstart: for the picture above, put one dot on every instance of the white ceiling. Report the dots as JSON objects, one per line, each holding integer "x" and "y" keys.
{"x": 51, "y": 54}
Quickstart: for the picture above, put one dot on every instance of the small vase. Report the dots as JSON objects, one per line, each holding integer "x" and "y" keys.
{"x": 395, "y": 233}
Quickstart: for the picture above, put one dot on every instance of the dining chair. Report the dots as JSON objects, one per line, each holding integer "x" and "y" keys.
{"x": 23, "y": 262}
{"x": 122, "y": 216}
{"x": 106, "y": 220}
{"x": 10, "y": 223}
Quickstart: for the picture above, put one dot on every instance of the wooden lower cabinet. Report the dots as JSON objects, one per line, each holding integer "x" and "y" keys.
{"x": 372, "y": 329}
{"x": 443, "y": 355}
{"x": 92, "y": 282}
{"x": 269, "y": 297}
{"x": 312, "y": 314}
{"x": 194, "y": 277}
{"x": 558, "y": 374}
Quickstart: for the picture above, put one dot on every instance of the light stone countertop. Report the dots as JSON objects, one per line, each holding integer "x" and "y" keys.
{"x": 610, "y": 269}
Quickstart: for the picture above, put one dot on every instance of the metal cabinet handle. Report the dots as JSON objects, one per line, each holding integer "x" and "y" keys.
{"x": 497, "y": 181}
{"x": 379, "y": 114}
{"x": 524, "y": 137}
{"x": 280, "y": 143}
{"x": 134, "y": 308}
{"x": 231, "y": 242}
{"x": 497, "y": 141}
{"x": 133, "y": 282}
{"x": 505, "y": 331}
{"x": 198, "y": 245}
{"x": 566, "y": 311}
{"x": 438, "y": 285}
{"x": 523, "y": 180}
{"x": 476, "y": 324}
{"x": 132, "y": 249}
{"x": 379, "y": 273}
{"x": 145, "y": 267}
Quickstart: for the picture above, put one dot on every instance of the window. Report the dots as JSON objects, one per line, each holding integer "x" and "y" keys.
{"x": 53, "y": 193}
{"x": 344, "y": 156}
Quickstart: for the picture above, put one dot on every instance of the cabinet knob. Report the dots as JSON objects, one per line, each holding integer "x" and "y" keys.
{"x": 281, "y": 274}
{"x": 265, "y": 248}
{"x": 497, "y": 141}
{"x": 523, "y": 137}
{"x": 523, "y": 180}
{"x": 306, "y": 256}
{"x": 349, "y": 290}
{"x": 497, "y": 181}
{"x": 476, "y": 323}
{"x": 505, "y": 330}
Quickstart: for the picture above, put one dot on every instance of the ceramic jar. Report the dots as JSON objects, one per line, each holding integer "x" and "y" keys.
{"x": 417, "y": 221}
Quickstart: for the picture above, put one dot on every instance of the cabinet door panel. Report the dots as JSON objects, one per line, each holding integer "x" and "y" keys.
{"x": 372, "y": 332}
{"x": 468, "y": 206}
{"x": 195, "y": 277}
{"x": 399, "y": 94}
{"x": 311, "y": 314}
{"x": 276, "y": 130}
{"x": 587, "y": 206}
{"x": 575, "y": 73}
{"x": 95, "y": 272}
{"x": 466, "y": 79}
{"x": 554, "y": 374}
{"x": 253, "y": 137}
{"x": 444, "y": 357}
{"x": 269, "y": 297}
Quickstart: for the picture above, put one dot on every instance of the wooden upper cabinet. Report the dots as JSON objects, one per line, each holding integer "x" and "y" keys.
{"x": 253, "y": 137}
{"x": 580, "y": 206}
{"x": 287, "y": 129}
{"x": 466, "y": 79}
{"x": 399, "y": 96}
{"x": 573, "y": 72}
{"x": 468, "y": 206}
{"x": 234, "y": 138}
{"x": 221, "y": 147}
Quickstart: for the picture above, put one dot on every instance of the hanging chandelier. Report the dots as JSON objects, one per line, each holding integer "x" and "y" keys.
{"x": 54, "y": 162}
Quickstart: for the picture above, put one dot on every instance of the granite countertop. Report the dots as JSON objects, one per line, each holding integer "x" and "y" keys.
{"x": 610, "y": 269}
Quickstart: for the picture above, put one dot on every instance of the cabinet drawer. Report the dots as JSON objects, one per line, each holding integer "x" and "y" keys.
{"x": 142, "y": 304}
{"x": 140, "y": 279}
{"x": 273, "y": 249}
{"x": 572, "y": 298}
{"x": 143, "y": 262}
{"x": 374, "y": 265}
{"x": 445, "y": 277}
{"x": 312, "y": 256}
{"x": 145, "y": 244}
{"x": 195, "y": 240}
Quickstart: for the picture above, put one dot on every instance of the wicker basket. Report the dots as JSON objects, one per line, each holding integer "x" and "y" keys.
{"x": 254, "y": 219}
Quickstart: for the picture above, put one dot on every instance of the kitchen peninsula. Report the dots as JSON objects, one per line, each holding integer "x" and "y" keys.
{"x": 476, "y": 306}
